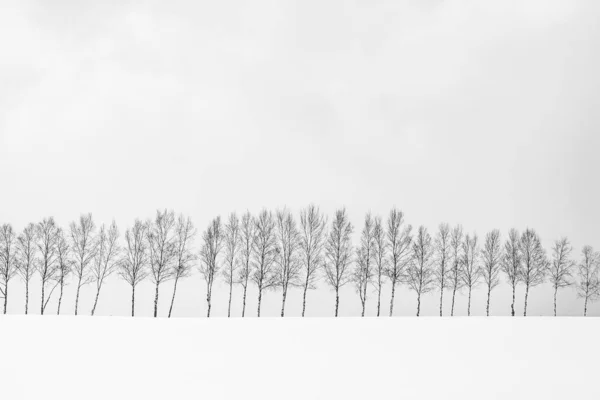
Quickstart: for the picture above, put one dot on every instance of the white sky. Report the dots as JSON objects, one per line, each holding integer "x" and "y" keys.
{"x": 459, "y": 112}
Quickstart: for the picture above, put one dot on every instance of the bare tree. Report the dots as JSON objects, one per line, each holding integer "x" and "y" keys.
{"x": 8, "y": 259}
{"x": 232, "y": 248}
{"x": 106, "y": 258}
{"x": 442, "y": 247}
{"x": 47, "y": 234}
{"x": 163, "y": 251}
{"x": 26, "y": 258}
{"x": 535, "y": 263}
{"x": 588, "y": 287}
{"x": 265, "y": 253}
{"x": 185, "y": 257}
{"x": 312, "y": 242}
{"x": 560, "y": 269}
{"x": 247, "y": 231}
{"x": 491, "y": 261}
{"x": 65, "y": 264}
{"x": 288, "y": 261}
{"x": 419, "y": 275}
{"x": 133, "y": 267}
{"x": 512, "y": 264}
{"x": 455, "y": 282}
{"x": 399, "y": 237}
{"x": 470, "y": 270}
{"x": 213, "y": 243}
{"x": 365, "y": 255}
{"x": 338, "y": 254}
{"x": 84, "y": 249}
{"x": 380, "y": 252}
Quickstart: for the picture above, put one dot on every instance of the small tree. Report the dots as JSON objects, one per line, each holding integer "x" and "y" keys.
{"x": 288, "y": 261}
{"x": 338, "y": 254}
{"x": 399, "y": 241}
{"x": 65, "y": 264}
{"x": 454, "y": 272}
{"x": 470, "y": 270}
{"x": 26, "y": 258}
{"x": 560, "y": 269}
{"x": 185, "y": 257}
{"x": 265, "y": 252}
{"x": 209, "y": 268}
{"x": 365, "y": 255}
{"x": 8, "y": 259}
{"x": 133, "y": 268}
{"x": 379, "y": 253}
{"x": 47, "y": 234}
{"x": 512, "y": 264}
{"x": 442, "y": 248}
{"x": 162, "y": 250}
{"x": 247, "y": 230}
{"x": 232, "y": 247}
{"x": 491, "y": 260}
{"x": 312, "y": 243}
{"x": 420, "y": 272}
{"x": 106, "y": 258}
{"x": 83, "y": 244}
{"x": 535, "y": 263}
{"x": 588, "y": 287}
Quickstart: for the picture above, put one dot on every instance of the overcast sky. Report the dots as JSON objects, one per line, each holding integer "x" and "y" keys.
{"x": 453, "y": 111}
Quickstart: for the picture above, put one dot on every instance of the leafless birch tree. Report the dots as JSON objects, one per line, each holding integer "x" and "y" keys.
{"x": 65, "y": 264}
{"x": 265, "y": 252}
{"x": 535, "y": 262}
{"x": 588, "y": 287}
{"x": 512, "y": 264}
{"x": 379, "y": 253}
{"x": 455, "y": 282}
{"x": 399, "y": 237}
{"x": 312, "y": 242}
{"x": 8, "y": 259}
{"x": 162, "y": 250}
{"x": 232, "y": 249}
{"x": 419, "y": 275}
{"x": 211, "y": 247}
{"x": 247, "y": 231}
{"x": 288, "y": 261}
{"x": 491, "y": 259}
{"x": 26, "y": 258}
{"x": 106, "y": 258}
{"x": 470, "y": 270}
{"x": 185, "y": 257}
{"x": 561, "y": 267}
{"x": 47, "y": 234}
{"x": 442, "y": 261}
{"x": 365, "y": 257}
{"x": 338, "y": 254}
{"x": 83, "y": 244}
{"x": 133, "y": 268}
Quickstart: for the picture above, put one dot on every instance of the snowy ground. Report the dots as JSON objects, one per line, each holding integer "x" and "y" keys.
{"x": 348, "y": 358}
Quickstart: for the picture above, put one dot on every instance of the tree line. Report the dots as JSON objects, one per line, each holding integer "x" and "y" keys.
{"x": 273, "y": 251}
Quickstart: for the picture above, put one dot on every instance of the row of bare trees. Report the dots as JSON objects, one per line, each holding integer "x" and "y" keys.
{"x": 272, "y": 251}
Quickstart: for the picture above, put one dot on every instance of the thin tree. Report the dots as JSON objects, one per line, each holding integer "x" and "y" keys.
{"x": 65, "y": 264}
{"x": 491, "y": 259}
{"x": 232, "y": 249}
{"x": 470, "y": 270}
{"x": 185, "y": 257}
{"x": 455, "y": 283}
{"x": 133, "y": 267}
{"x": 265, "y": 252}
{"x": 380, "y": 256}
{"x": 8, "y": 259}
{"x": 26, "y": 258}
{"x": 83, "y": 244}
{"x": 162, "y": 250}
{"x": 399, "y": 237}
{"x": 288, "y": 261}
{"x": 312, "y": 243}
{"x": 47, "y": 234}
{"x": 338, "y": 254}
{"x": 247, "y": 231}
{"x": 209, "y": 268}
{"x": 365, "y": 257}
{"x": 560, "y": 269}
{"x": 442, "y": 246}
{"x": 419, "y": 275}
{"x": 512, "y": 264}
{"x": 588, "y": 287}
{"x": 535, "y": 263}
{"x": 106, "y": 258}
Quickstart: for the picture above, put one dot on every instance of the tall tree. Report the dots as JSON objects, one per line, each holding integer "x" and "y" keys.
{"x": 65, "y": 264}
{"x": 338, "y": 254}
{"x": 588, "y": 287}
{"x": 491, "y": 258}
{"x": 399, "y": 237}
{"x": 455, "y": 283}
{"x": 380, "y": 253}
{"x": 83, "y": 243}
{"x": 247, "y": 231}
{"x": 535, "y": 263}
{"x": 470, "y": 270}
{"x": 211, "y": 247}
{"x": 365, "y": 255}
{"x": 232, "y": 249}
{"x": 106, "y": 258}
{"x": 26, "y": 258}
{"x": 312, "y": 242}
{"x": 185, "y": 257}
{"x": 419, "y": 275}
{"x": 288, "y": 261}
{"x": 162, "y": 250}
{"x": 133, "y": 267}
{"x": 47, "y": 233}
{"x": 265, "y": 253}
{"x": 442, "y": 246}
{"x": 8, "y": 259}
{"x": 561, "y": 267}
{"x": 512, "y": 264}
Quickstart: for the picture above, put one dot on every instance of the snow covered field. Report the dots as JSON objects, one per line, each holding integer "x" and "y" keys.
{"x": 348, "y": 358}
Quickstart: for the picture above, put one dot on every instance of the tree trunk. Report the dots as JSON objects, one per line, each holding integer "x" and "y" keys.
{"x": 379, "y": 297}
{"x": 453, "y": 296}
{"x": 96, "y": 300}
{"x": 418, "y": 304}
{"x": 526, "y": 294}
{"x": 60, "y": 297}
{"x": 133, "y": 301}
{"x": 364, "y": 303}
{"x": 230, "y": 293}
{"x": 173, "y": 298}
{"x": 555, "y": 290}
{"x": 487, "y": 307}
{"x": 77, "y": 295}
{"x": 585, "y": 306}
{"x": 5, "y": 295}
{"x": 469, "y": 303}
{"x": 304, "y": 298}
{"x": 392, "y": 299}
{"x": 42, "y": 305}
{"x": 208, "y": 306}
{"x": 337, "y": 300}
{"x": 363, "y": 308}
{"x": 244, "y": 300}
{"x": 441, "y": 300}
{"x": 156, "y": 300}
{"x": 26, "y": 296}
{"x": 259, "y": 300}
{"x": 512, "y": 305}
{"x": 283, "y": 301}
